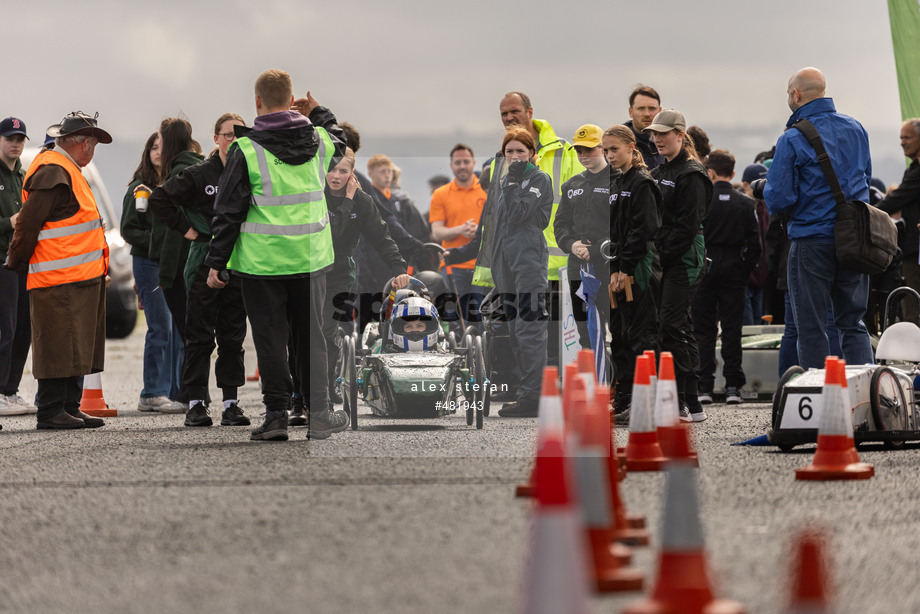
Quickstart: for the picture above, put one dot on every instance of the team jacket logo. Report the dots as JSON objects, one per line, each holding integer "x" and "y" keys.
{"x": 574, "y": 193}
{"x": 625, "y": 194}
{"x": 667, "y": 182}
{"x": 602, "y": 190}
{"x": 613, "y": 198}
{"x": 725, "y": 197}
{"x": 210, "y": 190}
{"x": 535, "y": 191}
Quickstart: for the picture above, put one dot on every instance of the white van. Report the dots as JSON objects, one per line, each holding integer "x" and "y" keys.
{"x": 120, "y": 300}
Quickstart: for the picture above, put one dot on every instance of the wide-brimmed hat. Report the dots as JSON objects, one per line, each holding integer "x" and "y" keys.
{"x": 79, "y": 122}
{"x": 668, "y": 120}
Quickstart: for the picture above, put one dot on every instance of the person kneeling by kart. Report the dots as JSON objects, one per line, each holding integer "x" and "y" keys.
{"x": 414, "y": 326}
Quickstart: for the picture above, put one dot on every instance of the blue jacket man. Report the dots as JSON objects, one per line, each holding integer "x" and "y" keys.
{"x": 796, "y": 188}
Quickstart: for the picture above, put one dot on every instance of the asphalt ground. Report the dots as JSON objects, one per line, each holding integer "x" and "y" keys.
{"x": 145, "y": 515}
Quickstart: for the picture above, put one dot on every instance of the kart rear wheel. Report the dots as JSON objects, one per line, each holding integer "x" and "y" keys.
{"x": 791, "y": 373}
{"x": 350, "y": 381}
{"x": 886, "y": 399}
{"x": 483, "y": 397}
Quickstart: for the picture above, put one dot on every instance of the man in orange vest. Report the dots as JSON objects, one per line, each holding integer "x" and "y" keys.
{"x": 59, "y": 241}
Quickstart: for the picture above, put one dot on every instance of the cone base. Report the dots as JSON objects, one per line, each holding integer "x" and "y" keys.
{"x": 632, "y": 537}
{"x": 716, "y": 606}
{"x": 525, "y": 490}
{"x": 105, "y": 412}
{"x": 646, "y": 464}
{"x": 670, "y": 438}
{"x": 619, "y": 581}
{"x": 853, "y": 471}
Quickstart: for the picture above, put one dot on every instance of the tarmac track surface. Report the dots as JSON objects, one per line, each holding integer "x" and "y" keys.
{"x": 145, "y": 515}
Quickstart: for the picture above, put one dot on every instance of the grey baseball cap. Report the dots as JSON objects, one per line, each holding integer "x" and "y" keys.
{"x": 668, "y": 120}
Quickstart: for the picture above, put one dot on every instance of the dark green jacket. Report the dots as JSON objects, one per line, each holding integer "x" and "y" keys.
{"x": 168, "y": 247}
{"x": 10, "y": 202}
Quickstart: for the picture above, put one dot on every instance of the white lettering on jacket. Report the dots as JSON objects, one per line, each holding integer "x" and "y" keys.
{"x": 602, "y": 190}
{"x": 574, "y": 193}
{"x": 667, "y": 182}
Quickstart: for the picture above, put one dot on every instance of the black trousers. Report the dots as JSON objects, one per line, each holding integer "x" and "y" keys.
{"x": 279, "y": 309}
{"x": 214, "y": 315}
{"x": 633, "y": 330}
{"x": 15, "y": 330}
{"x": 675, "y": 324}
{"x": 56, "y": 395}
{"x": 720, "y": 299}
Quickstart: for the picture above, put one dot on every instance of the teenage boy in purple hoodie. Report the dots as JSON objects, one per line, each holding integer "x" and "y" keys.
{"x": 271, "y": 228}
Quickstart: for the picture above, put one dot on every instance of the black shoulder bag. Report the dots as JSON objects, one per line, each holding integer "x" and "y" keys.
{"x": 865, "y": 237}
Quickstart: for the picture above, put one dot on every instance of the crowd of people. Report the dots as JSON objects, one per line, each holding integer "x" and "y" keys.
{"x": 277, "y": 226}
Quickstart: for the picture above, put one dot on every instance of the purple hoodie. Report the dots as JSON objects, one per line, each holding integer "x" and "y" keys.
{"x": 280, "y": 120}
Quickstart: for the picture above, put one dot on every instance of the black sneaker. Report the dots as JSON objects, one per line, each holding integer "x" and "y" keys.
{"x": 502, "y": 394}
{"x": 324, "y": 424}
{"x": 622, "y": 402}
{"x": 234, "y": 416}
{"x": 198, "y": 416}
{"x": 298, "y": 415}
{"x": 733, "y": 396}
{"x": 520, "y": 409}
{"x": 622, "y": 418}
{"x": 273, "y": 429}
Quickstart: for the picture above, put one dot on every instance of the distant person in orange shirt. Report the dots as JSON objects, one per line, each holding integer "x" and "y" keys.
{"x": 454, "y": 216}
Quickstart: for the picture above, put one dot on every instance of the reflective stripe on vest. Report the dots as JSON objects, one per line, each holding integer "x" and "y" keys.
{"x": 287, "y": 230}
{"x": 72, "y": 249}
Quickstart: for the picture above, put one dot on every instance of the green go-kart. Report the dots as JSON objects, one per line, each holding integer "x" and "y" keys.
{"x": 448, "y": 378}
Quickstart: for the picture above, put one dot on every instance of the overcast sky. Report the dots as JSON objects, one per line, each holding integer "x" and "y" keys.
{"x": 403, "y": 67}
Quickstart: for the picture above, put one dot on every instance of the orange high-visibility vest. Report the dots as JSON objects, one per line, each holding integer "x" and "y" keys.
{"x": 73, "y": 249}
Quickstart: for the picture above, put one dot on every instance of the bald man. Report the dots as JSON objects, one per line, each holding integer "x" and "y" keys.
{"x": 796, "y": 188}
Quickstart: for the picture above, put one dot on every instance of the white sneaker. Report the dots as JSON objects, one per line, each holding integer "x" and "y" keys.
{"x": 15, "y": 405}
{"x": 705, "y": 398}
{"x": 698, "y": 416}
{"x": 161, "y": 404}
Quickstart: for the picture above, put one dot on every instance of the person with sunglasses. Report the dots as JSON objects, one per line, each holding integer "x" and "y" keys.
{"x": 186, "y": 204}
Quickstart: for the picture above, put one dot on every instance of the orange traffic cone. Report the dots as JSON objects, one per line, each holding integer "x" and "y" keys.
{"x": 667, "y": 408}
{"x": 585, "y": 364}
{"x": 549, "y": 414}
{"x": 836, "y": 457}
{"x": 683, "y": 583}
{"x": 626, "y": 529}
{"x": 92, "y": 401}
{"x": 642, "y": 450}
{"x": 254, "y": 377}
{"x": 590, "y": 461}
{"x": 810, "y": 590}
{"x": 556, "y": 578}
{"x": 652, "y": 371}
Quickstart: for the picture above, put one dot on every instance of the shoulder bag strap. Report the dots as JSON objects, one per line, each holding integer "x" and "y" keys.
{"x": 811, "y": 133}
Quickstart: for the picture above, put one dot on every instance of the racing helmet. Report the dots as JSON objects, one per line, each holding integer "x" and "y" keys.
{"x": 415, "y": 309}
